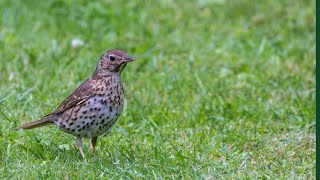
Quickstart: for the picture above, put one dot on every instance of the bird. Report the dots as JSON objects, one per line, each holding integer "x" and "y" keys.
{"x": 94, "y": 107}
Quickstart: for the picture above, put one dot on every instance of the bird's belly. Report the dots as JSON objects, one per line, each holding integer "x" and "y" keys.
{"x": 96, "y": 117}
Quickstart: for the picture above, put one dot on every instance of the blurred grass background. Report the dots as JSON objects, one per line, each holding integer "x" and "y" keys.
{"x": 220, "y": 89}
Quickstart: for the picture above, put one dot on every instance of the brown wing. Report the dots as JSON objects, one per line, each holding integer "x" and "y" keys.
{"x": 80, "y": 95}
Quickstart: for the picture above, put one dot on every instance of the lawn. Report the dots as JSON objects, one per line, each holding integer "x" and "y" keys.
{"x": 219, "y": 89}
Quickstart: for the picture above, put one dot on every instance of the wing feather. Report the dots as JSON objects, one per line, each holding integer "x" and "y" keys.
{"x": 79, "y": 96}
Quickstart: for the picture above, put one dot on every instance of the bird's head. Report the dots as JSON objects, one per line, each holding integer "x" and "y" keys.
{"x": 113, "y": 61}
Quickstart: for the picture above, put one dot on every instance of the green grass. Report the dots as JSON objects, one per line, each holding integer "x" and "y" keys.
{"x": 220, "y": 89}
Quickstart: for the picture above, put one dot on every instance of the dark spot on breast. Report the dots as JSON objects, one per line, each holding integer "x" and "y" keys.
{"x": 90, "y": 117}
{"x": 74, "y": 119}
{"x": 99, "y": 109}
{"x": 106, "y": 124}
{"x": 110, "y": 108}
{"x": 68, "y": 129}
{"x": 71, "y": 123}
{"x": 83, "y": 122}
{"x": 80, "y": 117}
{"x": 91, "y": 123}
{"x": 91, "y": 109}
{"x": 97, "y": 124}
{"x": 85, "y": 117}
{"x": 101, "y": 116}
{"x": 79, "y": 130}
{"x": 78, "y": 126}
{"x": 73, "y": 130}
{"x": 107, "y": 117}
{"x": 102, "y": 121}
{"x": 84, "y": 112}
{"x": 64, "y": 125}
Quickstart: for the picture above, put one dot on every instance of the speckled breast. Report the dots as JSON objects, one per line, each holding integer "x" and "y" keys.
{"x": 98, "y": 114}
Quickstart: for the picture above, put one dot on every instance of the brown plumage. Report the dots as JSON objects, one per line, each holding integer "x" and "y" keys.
{"x": 93, "y": 108}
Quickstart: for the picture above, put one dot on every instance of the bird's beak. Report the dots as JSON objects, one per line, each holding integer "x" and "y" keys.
{"x": 128, "y": 59}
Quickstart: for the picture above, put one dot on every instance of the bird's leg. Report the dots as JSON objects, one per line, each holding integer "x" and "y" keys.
{"x": 93, "y": 144}
{"x": 79, "y": 144}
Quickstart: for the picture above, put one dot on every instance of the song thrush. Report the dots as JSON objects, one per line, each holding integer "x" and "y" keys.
{"x": 94, "y": 107}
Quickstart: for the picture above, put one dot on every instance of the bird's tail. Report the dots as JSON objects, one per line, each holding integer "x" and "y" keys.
{"x": 42, "y": 122}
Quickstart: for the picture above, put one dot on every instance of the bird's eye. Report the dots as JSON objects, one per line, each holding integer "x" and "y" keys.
{"x": 112, "y": 58}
